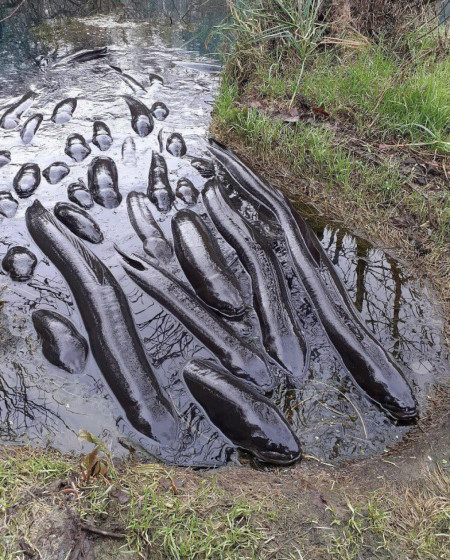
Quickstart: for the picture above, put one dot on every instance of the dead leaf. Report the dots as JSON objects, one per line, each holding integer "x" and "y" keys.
{"x": 121, "y": 496}
{"x": 320, "y": 111}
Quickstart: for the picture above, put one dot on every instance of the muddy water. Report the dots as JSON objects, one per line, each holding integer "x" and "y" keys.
{"x": 42, "y": 404}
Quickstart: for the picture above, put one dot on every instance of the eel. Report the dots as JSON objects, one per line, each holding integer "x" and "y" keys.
{"x": 129, "y": 151}
{"x": 63, "y": 111}
{"x": 161, "y": 140}
{"x": 102, "y": 137}
{"x": 62, "y": 344}
{"x": 204, "y": 166}
{"x": 78, "y": 221}
{"x": 80, "y": 194}
{"x": 27, "y": 180}
{"x": 249, "y": 420}
{"x": 141, "y": 217}
{"x": 56, "y": 172}
{"x": 103, "y": 182}
{"x": 141, "y": 118}
{"x": 159, "y": 191}
{"x": 176, "y": 145}
{"x": 367, "y": 362}
{"x": 11, "y": 117}
{"x": 114, "y": 341}
{"x": 76, "y": 147}
{"x": 8, "y": 204}
{"x": 204, "y": 265}
{"x": 282, "y": 337}
{"x": 131, "y": 82}
{"x": 30, "y": 128}
{"x": 20, "y": 263}
{"x": 238, "y": 356}
{"x": 5, "y": 157}
{"x": 155, "y": 79}
{"x": 84, "y": 55}
{"x": 160, "y": 111}
{"x": 186, "y": 192}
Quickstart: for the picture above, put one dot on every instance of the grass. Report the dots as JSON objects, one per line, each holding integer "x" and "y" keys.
{"x": 414, "y": 524}
{"x": 177, "y": 514}
{"x": 157, "y": 517}
{"x": 277, "y": 49}
{"x": 348, "y": 124}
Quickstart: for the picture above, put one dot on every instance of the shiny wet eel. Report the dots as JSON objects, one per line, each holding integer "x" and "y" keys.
{"x": 251, "y": 421}
{"x": 204, "y": 265}
{"x": 365, "y": 359}
{"x": 282, "y": 337}
{"x": 234, "y": 353}
{"x": 141, "y": 217}
{"x": 114, "y": 341}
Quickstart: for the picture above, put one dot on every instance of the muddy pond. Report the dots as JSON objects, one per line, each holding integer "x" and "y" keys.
{"x": 163, "y": 298}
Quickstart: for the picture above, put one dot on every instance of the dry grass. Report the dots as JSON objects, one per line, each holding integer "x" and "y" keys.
{"x": 48, "y": 509}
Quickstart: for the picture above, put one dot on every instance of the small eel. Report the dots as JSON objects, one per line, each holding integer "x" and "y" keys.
{"x": 282, "y": 337}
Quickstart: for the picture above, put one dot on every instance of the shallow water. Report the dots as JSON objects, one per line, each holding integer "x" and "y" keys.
{"x": 43, "y": 404}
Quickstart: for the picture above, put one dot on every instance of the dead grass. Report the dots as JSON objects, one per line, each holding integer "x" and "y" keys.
{"x": 49, "y": 510}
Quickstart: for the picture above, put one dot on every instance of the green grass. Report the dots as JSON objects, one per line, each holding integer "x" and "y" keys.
{"x": 307, "y": 150}
{"x": 158, "y": 519}
{"x": 415, "y": 525}
{"x": 397, "y": 89}
{"x": 175, "y": 514}
{"x": 184, "y": 529}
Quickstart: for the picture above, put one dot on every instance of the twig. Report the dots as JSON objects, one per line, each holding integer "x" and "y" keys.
{"x": 91, "y": 529}
{"x": 16, "y": 9}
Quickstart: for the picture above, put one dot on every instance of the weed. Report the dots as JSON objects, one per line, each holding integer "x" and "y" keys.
{"x": 412, "y": 524}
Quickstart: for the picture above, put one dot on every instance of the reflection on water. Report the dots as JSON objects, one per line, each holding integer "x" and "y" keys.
{"x": 40, "y": 403}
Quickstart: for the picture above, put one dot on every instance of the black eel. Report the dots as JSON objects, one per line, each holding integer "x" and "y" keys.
{"x": 113, "y": 337}
{"x": 11, "y": 117}
{"x": 141, "y": 118}
{"x": 62, "y": 344}
{"x": 248, "y": 419}
{"x": 78, "y": 221}
{"x": 204, "y": 265}
{"x": 103, "y": 182}
{"x": 141, "y": 217}
{"x": 234, "y": 353}
{"x": 30, "y": 128}
{"x": 159, "y": 190}
{"x": 281, "y": 335}
{"x": 366, "y": 360}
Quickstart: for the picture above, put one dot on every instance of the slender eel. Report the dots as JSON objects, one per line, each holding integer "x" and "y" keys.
{"x": 365, "y": 359}
{"x": 204, "y": 265}
{"x": 141, "y": 217}
{"x": 11, "y": 117}
{"x": 113, "y": 338}
{"x": 235, "y": 354}
{"x": 281, "y": 336}
{"x": 248, "y": 419}
{"x": 159, "y": 190}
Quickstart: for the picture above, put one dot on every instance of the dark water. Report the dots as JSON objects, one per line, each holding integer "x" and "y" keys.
{"x": 42, "y": 404}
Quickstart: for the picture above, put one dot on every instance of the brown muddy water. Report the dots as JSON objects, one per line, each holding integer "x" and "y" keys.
{"x": 41, "y": 404}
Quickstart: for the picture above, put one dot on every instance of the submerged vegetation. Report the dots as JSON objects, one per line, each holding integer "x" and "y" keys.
{"x": 358, "y": 125}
